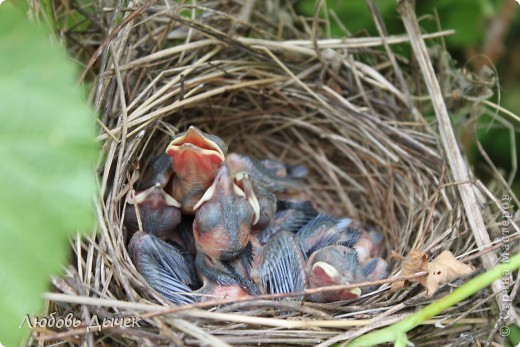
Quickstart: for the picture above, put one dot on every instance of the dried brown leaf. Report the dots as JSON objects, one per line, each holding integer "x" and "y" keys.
{"x": 443, "y": 269}
{"x": 413, "y": 263}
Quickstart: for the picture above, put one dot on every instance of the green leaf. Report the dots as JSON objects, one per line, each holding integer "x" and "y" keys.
{"x": 47, "y": 152}
{"x": 514, "y": 336}
{"x": 466, "y": 17}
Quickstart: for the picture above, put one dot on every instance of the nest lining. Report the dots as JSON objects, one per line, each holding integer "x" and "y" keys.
{"x": 334, "y": 106}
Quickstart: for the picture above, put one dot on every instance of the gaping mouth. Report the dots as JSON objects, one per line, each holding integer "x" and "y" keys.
{"x": 195, "y": 140}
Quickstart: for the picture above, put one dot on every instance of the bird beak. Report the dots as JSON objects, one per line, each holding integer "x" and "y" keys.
{"x": 224, "y": 184}
{"x": 325, "y": 272}
{"x": 356, "y": 292}
{"x": 152, "y": 195}
{"x": 195, "y": 153}
{"x": 244, "y": 182}
{"x": 195, "y": 138}
{"x": 328, "y": 275}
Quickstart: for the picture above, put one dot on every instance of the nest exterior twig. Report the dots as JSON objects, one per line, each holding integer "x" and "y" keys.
{"x": 263, "y": 79}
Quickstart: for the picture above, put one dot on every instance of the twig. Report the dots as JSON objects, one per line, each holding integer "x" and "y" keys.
{"x": 111, "y": 36}
{"x": 380, "y": 25}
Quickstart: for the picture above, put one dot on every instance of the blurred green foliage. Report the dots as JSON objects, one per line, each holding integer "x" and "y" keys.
{"x": 467, "y": 17}
{"x": 514, "y": 336}
{"x": 48, "y": 152}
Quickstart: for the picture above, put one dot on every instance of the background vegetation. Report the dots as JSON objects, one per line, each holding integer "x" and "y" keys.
{"x": 486, "y": 33}
{"x": 48, "y": 151}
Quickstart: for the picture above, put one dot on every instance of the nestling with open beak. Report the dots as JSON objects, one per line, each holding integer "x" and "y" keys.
{"x": 195, "y": 159}
{"x": 223, "y": 218}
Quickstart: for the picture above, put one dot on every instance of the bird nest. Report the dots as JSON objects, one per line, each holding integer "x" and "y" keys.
{"x": 270, "y": 85}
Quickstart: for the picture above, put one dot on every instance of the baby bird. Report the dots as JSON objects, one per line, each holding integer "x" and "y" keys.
{"x": 268, "y": 183}
{"x": 195, "y": 160}
{"x": 339, "y": 265}
{"x": 167, "y": 267}
{"x": 158, "y": 211}
{"x": 340, "y": 253}
{"x": 223, "y": 218}
{"x": 334, "y": 265}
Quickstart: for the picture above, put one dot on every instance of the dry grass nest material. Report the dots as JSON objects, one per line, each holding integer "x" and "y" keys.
{"x": 262, "y": 79}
